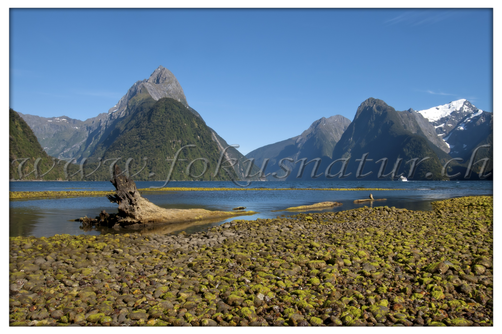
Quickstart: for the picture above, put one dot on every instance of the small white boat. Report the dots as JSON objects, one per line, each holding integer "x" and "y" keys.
{"x": 403, "y": 178}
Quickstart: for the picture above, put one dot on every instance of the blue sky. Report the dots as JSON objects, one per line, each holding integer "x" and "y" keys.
{"x": 257, "y": 76}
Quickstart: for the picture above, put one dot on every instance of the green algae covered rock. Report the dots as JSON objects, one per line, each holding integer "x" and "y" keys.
{"x": 379, "y": 311}
{"x": 138, "y": 315}
{"x": 314, "y": 321}
{"x": 95, "y": 317}
{"x": 369, "y": 266}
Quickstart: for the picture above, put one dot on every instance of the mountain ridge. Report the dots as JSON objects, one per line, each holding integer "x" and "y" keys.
{"x": 90, "y": 138}
{"x": 379, "y": 123}
{"x": 317, "y": 141}
{"x": 160, "y": 130}
{"x": 450, "y": 130}
{"x": 81, "y": 143}
{"x": 446, "y": 117}
{"x": 378, "y": 132}
{"x": 464, "y": 128}
{"x": 25, "y": 149}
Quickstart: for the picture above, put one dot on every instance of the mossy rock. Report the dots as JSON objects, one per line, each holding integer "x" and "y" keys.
{"x": 138, "y": 315}
{"x": 295, "y": 318}
{"x": 363, "y": 254}
{"x": 437, "y": 324}
{"x": 379, "y": 311}
{"x": 105, "y": 320}
{"x": 234, "y": 300}
{"x": 19, "y": 323}
{"x": 280, "y": 284}
{"x": 355, "y": 312}
{"x": 86, "y": 271}
{"x": 259, "y": 288}
{"x": 208, "y": 322}
{"x": 209, "y": 296}
{"x": 168, "y": 296}
{"x": 314, "y": 281}
{"x": 247, "y": 312}
{"x": 316, "y": 264}
{"x": 299, "y": 292}
{"x": 95, "y": 317}
{"x": 86, "y": 294}
{"x": 316, "y": 321}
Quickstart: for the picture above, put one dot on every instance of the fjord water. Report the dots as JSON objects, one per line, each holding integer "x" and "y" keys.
{"x": 47, "y": 217}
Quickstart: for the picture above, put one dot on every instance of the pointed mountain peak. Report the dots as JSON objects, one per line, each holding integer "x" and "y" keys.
{"x": 372, "y": 102}
{"x": 372, "y": 105}
{"x": 437, "y": 113}
{"x": 161, "y": 83}
{"x": 338, "y": 118}
{"x": 324, "y": 133}
{"x": 161, "y": 75}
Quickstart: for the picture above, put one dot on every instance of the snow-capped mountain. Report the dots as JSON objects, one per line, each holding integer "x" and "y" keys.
{"x": 461, "y": 125}
{"x": 447, "y": 116}
{"x": 471, "y": 132}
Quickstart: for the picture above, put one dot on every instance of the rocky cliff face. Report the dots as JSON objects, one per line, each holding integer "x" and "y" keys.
{"x": 161, "y": 83}
{"x": 418, "y": 124}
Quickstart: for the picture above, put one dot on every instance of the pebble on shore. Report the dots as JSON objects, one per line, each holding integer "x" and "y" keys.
{"x": 367, "y": 266}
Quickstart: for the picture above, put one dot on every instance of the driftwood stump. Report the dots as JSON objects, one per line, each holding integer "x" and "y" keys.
{"x": 128, "y": 197}
{"x": 134, "y": 209}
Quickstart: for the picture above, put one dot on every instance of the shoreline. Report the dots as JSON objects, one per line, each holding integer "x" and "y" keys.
{"x": 365, "y": 266}
{"x": 19, "y": 195}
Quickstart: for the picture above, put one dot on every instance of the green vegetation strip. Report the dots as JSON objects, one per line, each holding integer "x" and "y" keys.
{"x": 367, "y": 266}
{"x": 59, "y": 194}
{"x": 55, "y": 194}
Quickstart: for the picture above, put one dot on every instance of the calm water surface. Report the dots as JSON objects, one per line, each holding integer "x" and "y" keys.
{"x": 53, "y": 216}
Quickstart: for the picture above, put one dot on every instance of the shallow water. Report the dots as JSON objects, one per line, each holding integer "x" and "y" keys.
{"x": 48, "y": 217}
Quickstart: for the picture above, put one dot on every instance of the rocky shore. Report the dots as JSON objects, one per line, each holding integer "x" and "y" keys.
{"x": 365, "y": 267}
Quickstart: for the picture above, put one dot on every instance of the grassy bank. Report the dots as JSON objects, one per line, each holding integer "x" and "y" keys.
{"x": 367, "y": 266}
{"x": 63, "y": 194}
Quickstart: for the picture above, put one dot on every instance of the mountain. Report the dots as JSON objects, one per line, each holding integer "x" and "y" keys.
{"x": 467, "y": 130}
{"x": 446, "y": 117}
{"x": 317, "y": 141}
{"x": 24, "y": 150}
{"x": 378, "y": 132}
{"x": 461, "y": 125}
{"x": 157, "y": 130}
{"x": 66, "y": 138}
{"x": 416, "y": 123}
{"x": 161, "y": 83}
{"x": 377, "y": 129}
{"x": 470, "y": 133}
